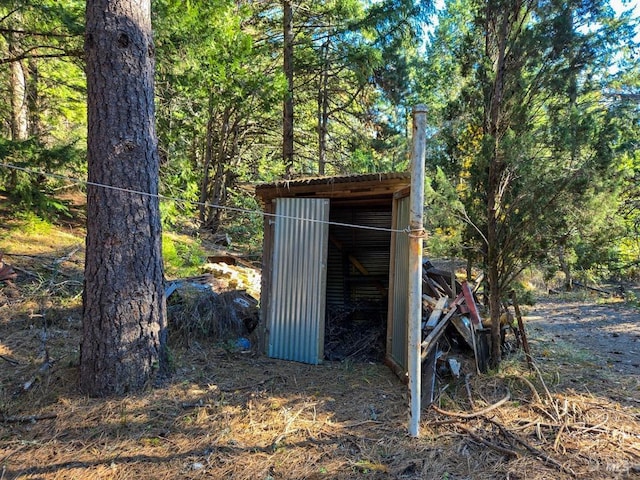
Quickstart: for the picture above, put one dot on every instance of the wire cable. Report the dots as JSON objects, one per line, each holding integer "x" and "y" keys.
{"x": 78, "y": 181}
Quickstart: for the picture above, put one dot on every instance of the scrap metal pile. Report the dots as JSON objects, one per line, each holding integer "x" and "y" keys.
{"x": 451, "y": 306}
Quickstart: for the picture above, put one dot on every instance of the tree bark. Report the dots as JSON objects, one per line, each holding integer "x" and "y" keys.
{"x": 124, "y": 313}
{"x": 287, "y": 114}
{"x": 497, "y": 31}
{"x": 19, "y": 111}
{"x": 323, "y": 109}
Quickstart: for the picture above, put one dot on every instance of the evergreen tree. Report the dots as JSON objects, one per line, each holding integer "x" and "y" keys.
{"x": 524, "y": 127}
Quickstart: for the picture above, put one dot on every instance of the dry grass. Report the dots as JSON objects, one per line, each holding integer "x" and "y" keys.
{"x": 229, "y": 414}
{"x": 236, "y": 415}
{"x": 243, "y": 416}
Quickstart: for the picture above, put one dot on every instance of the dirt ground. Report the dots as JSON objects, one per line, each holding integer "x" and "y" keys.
{"x": 232, "y": 414}
{"x": 607, "y": 334}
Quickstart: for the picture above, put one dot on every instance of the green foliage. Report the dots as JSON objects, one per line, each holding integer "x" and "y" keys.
{"x": 183, "y": 256}
{"x": 632, "y": 299}
{"x": 553, "y": 136}
{"x": 525, "y": 295}
{"x": 218, "y": 97}
{"x": 567, "y": 138}
{"x": 444, "y": 217}
{"x": 32, "y": 224}
{"x": 36, "y": 191}
{"x": 50, "y": 53}
{"x": 245, "y": 229}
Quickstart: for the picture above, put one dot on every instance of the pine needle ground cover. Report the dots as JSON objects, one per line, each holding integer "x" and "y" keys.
{"x": 236, "y": 414}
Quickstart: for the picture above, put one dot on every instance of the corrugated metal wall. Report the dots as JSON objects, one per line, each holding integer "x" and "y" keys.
{"x": 297, "y": 307}
{"x": 401, "y": 286}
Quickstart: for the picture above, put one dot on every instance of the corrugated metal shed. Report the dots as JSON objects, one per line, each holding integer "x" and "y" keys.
{"x": 397, "y": 336}
{"x": 296, "y": 312}
{"x": 356, "y": 272}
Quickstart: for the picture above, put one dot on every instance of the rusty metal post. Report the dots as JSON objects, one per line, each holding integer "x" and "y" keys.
{"x": 416, "y": 235}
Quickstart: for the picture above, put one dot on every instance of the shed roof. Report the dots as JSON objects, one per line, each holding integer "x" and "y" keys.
{"x": 371, "y": 185}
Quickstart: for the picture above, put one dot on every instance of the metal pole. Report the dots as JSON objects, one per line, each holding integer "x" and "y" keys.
{"x": 414, "y": 316}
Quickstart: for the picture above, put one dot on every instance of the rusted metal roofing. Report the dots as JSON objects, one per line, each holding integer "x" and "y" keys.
{"x": 327, "y": 180}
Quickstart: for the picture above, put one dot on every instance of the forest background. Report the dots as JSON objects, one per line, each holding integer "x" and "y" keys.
{"x": 532, "y": 160}
{"x": 533, "y": 121}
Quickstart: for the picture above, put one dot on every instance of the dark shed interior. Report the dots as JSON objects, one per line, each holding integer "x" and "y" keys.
{"x": 357, "y": 282}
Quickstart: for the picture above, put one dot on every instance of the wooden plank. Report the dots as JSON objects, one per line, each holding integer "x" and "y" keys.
{"x": 428, "y": 301}
{"x": 436, "y": 333}
{"x": 444, "y": 283}
{"x": 429, "y": 378}
{"x": 437, "y": 312}
{"x": 431, "y": 286}
{"x": 478, "y": 282}
{"x": 523, "y": 334}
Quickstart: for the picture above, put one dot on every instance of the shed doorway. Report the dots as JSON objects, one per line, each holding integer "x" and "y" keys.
{"x": 357, "y": 285}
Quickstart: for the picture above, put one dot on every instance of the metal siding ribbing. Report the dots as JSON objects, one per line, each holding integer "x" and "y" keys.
{"x": 369, "y": 247}
{"x": 297, "y": 306}
{"x": 401, "y": 286}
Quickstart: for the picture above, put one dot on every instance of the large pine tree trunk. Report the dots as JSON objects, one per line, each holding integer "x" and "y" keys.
{"x": 123, "y": 305}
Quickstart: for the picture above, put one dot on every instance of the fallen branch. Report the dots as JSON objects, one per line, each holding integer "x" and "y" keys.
{"x": 487, "y": 443}
{"x": 27, "y": 272}
{"x": 546, "y": 390}
{"x": 593, "y": 289}
{"x": 534, "y": 391}
{"x": 544, "y": 457}
{"x": 10, "y": 360}
{"x": 67, "y": 257}
{"x": 538, "y": 453}
{"x": 29, "y": 418}
{"x": 479, "y": 413}
{"x": 468, "y": 388}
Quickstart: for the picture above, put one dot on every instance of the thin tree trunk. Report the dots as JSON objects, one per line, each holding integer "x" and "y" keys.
{"x": 33, "y": 105}
{"x": 208, "y": 159}
{"x": 218, "y": 187}
{"x": 323, "y": 109}
{"x": 124, "y": 313}
{"x": 287, "y": 116}
{"x": 564, "y": 266}
{"x": 493, "y": 129}
{"x": 19, "y": 111}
